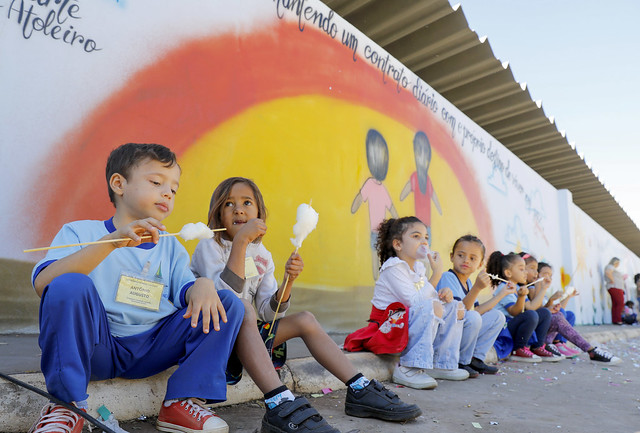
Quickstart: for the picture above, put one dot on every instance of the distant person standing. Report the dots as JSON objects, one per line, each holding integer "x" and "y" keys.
{"x": 615, "y": 287}
{"x": 636, "y": 280}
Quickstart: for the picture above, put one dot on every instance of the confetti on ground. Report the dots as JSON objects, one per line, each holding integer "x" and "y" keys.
{"x": 493, "y": 423}
{"x": 326, "y": 390}
{"x": 476, "y": 425}
{"x": 317, "y": 395}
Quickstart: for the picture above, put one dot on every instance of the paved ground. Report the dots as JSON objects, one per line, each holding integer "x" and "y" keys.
{"x": 569, "y": 396}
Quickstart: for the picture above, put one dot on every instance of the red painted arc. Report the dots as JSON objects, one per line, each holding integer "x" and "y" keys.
{"x": 203, "y": 83}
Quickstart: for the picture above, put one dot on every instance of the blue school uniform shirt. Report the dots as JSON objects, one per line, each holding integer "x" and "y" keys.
{"x": 450, "y": 279}
{"x": 507, "y": 301}
{"x": 167, "y": 260}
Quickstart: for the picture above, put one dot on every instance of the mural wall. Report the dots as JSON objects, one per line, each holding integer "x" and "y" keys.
{"x": 285, "y": 92}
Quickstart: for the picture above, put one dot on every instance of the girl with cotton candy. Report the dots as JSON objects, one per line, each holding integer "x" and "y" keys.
{"x": 428, "y": 339}
{"x": 236, "y": 259}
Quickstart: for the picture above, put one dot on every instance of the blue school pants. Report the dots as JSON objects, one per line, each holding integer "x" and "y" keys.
{"x": 524, "y": 324}
{"x": 77, "y": 345}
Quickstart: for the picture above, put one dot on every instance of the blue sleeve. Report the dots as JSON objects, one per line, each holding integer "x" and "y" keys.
{"x": 506, "y": 302}
{"x": 450, "y": 280}
{"x": 181, "y": 275}
{"x": 66, "y": 235}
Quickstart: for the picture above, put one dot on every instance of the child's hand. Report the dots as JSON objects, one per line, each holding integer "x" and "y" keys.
{"x": 135, "y": 230}
{"x": 509, "y": 289}
{"x": 203, "y": 298}
{"x": 445, "y": 295}
{"x": 555, "y": 308}
{"x": 252, "y": 230}
{"x": 294, "y": 266}
{"x": 523, "y": 291}
{"x": 435, "y": 261}
{"x": 483, "y": 280}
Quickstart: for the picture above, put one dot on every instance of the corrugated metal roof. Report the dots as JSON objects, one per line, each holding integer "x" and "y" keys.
{"x": 434, "y": 40}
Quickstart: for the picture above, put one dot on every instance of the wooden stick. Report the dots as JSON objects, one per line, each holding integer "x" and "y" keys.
{"x": 105, "y": 241}
{"x": 284, "y": 287}
{"x": 532, "y": 283}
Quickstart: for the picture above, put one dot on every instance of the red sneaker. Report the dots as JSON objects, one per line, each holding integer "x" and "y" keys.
{"x": 545, "y": 354}
{"x": 57, "y": 419}
{"x": 189, "y": 416}
{"x": 523, "y": 354}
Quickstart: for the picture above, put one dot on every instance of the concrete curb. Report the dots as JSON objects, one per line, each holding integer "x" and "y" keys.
{"x": 130, "y": 399}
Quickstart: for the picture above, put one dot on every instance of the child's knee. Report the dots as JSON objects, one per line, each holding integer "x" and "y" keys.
{"x": 531, "y": 316}
{"x": 306, "y": 321}
{"x": 249, "y": 313}
{"x": 473, "y": 319}
{"x": 438, "y": 310}
{"x": 543, "y": 314}
{"x": 69, "y": 287}
{"x": 496, "y": 317}
{"x": 233, "y": 306}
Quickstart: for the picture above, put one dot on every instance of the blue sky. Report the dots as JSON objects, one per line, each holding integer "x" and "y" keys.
{"x": 582, "y": 59}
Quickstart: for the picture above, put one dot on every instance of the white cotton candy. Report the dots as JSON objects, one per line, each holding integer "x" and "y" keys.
{"x": 568, "y": 292}
{"x": 198, "y": 230}
{"x": 306, "y": 221}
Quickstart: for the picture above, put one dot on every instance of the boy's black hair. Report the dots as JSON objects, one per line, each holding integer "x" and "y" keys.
{"x": 636, "y": 278}
{"x": 388, "y": 231}
{"x": 123, "y": 158}
{"x": 377, "y": 155}
{"x": 498, "y": 262}
{"x": 629, "y": 304}
{"x": 469, "y": 238}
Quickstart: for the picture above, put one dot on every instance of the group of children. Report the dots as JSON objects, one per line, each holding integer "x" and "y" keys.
{"x": 131, "y": 308}
{"x": 438, "y": 325}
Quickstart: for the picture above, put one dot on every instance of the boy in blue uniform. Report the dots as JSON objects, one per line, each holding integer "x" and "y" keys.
{"x": 132, "y": 308}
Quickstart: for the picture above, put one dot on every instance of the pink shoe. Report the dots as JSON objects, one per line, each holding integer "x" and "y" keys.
{"x": 567, "y": 351}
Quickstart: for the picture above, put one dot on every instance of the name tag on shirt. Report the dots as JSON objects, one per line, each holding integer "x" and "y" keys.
{"x": 139, "y": 291}
{"x": 250, "y": 269}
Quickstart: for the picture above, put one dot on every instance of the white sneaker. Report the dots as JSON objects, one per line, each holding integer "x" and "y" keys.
{"x": 413, "y": 378}
{"x": 443, "y": 373}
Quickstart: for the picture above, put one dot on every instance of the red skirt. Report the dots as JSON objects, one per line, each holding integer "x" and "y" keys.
{"x": 387, "y": 332}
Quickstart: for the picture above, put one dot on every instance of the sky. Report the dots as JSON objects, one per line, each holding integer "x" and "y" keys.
{"x": 582, "y": 59}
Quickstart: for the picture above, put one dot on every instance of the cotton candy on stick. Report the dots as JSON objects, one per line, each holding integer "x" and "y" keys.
{"x": 189, "y": 232}
{"x": 568, "y": 292}
{"x": 306, "y": 222}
